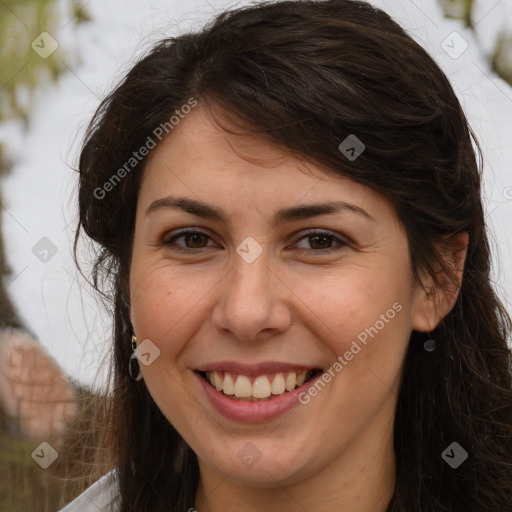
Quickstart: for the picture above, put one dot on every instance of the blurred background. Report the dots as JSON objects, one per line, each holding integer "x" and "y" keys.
{"x": 58, "y": 60}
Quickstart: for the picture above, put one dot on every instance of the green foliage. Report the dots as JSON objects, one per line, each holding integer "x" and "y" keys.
{"x": 21, "y": 22}
{"x": 24, "y": 486}
{"x": 502, "y": 58}
{"x": 79, "y": 13}
{"x": 458, "y": 9}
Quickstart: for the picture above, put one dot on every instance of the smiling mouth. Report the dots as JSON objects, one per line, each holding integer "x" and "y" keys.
{"x": 260, "y": 388}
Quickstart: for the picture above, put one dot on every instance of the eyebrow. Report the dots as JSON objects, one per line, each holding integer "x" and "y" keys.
{"x": 208, "y": 211}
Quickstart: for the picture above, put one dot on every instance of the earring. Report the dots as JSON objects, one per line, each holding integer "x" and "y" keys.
{"x": 133, "y": 363}
{"x": 430, "y": 345}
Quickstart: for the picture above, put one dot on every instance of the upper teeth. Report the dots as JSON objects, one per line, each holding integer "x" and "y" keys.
{"x": 261, "y": 387}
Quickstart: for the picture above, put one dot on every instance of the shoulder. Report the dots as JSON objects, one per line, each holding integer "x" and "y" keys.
{"x": 99, "y": 497}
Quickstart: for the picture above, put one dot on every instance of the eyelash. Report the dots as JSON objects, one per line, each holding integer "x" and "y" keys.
{"x": 171, "y": 241}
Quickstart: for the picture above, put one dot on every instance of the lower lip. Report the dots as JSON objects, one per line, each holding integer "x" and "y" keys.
{"x": 253, "y": 412}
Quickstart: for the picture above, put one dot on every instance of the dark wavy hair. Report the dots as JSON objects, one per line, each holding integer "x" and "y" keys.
{"x": 305, "y": 75}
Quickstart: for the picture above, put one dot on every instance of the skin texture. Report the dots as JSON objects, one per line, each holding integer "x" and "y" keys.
{"x": 297, "y": 302}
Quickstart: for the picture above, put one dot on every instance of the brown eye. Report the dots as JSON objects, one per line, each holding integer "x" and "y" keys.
{"x": 191, "y": 240}
{"x": 194, "y": 240}
{"x": 322, "y": 241}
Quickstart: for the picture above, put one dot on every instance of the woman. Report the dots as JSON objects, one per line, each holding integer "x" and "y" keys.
{"x": 287, "y": 206}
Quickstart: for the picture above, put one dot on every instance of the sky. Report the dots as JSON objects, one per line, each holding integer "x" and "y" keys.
{"x": 39, "y": 194}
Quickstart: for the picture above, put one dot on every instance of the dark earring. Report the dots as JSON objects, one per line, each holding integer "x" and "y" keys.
{"x": 430, "y": 345}
{"x": 133, "y": 363}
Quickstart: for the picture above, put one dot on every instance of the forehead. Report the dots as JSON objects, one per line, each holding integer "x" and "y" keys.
{"x": 199, "y": 159}
{"x": 198, "y": 142}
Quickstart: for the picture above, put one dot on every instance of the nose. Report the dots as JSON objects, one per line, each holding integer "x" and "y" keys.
{"x": 253, "y": 301}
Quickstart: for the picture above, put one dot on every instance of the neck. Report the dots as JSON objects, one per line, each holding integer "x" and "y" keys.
{"x": 362, "y": 479}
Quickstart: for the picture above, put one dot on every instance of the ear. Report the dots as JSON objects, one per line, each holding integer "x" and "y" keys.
{"x": 435, "y": 297}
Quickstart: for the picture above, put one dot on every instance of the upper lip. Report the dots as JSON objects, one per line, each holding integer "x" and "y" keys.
{"x": 253, "y": 370}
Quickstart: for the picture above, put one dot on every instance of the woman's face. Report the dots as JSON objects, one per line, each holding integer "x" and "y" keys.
{"x": 293, "y": 272}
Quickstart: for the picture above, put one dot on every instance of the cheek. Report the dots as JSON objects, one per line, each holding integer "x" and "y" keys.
{"x": 161, "y": 298}
{"x": 166, "y": 303}
{"x": 363, "y": 315}
{"x": 343, "y": 305}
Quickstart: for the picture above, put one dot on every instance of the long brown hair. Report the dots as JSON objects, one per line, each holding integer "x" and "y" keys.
{"x": 305, "y": 75}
